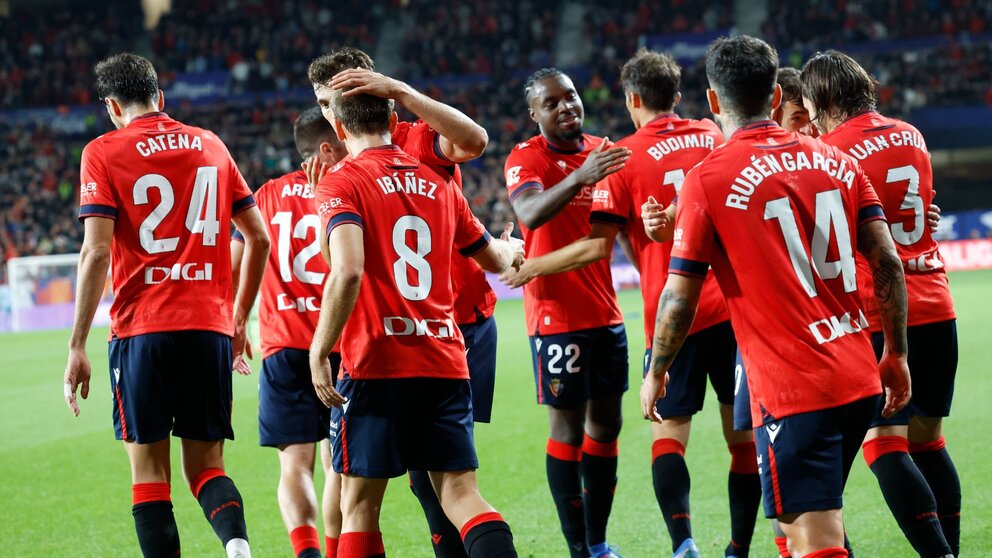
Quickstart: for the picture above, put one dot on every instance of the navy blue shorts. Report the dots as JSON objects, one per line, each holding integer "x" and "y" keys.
{"x": 480, "y": 350}
{"x": 571, "y": 368}
{"x": 390, "y": 426}
{"x": 707, "y": 353}
{"x": 804, "y": 459}
{"x": 933, "y": 363}
{"x": 742, "y": 398}
{"x": 289, "y": 411}
{"x": 176, "y": 381}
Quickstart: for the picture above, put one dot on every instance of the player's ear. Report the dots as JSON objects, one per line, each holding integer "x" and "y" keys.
{"x": 777, "y": 97}
{"x": 114, "y": 107}
{"x": 713, "y": 100}
{"x": 339, "y": 130}
{"x": 161, "y": 100}
{"x": 636, "y": 101}
{"x": 533, "y": 116}
{"x": 678, "y": 99}
{"x": 393, "y": 120}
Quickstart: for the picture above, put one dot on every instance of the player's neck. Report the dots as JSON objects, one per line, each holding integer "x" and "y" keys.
{"x": 563, "y": 144}
{"x": 648, "y": 116}
{"x": 130, "y": 113}
{"x": 730, "y": 125}
{"x": 357, "y": 144}
{"x": 828, "y": 123}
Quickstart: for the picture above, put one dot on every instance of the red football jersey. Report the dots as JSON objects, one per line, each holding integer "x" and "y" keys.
{"x": 294, "y": 275}
{"x": 474, "y": 297}
{"x": 662, "y": 152}
{"x": 403, "y": 324}
{"x": 895, "y": 158}
{"x": 575, "y": 300}
{"x": 776, "y": 214}
{"x": 172, "y": 190}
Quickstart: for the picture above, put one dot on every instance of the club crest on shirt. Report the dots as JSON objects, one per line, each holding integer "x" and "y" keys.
{"x": 556, "y": 386}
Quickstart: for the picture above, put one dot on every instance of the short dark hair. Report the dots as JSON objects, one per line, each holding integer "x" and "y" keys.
{"x": 361, "y": 114}
{"x": 792, "y": 90}
{"x": 654, "y": 76}
{"x": 310, "y": 130}
{"x": 128, "y": 78}
{"x": 743, "y": 71}
{"x": 323, "y": 68}
{"x": 835, "y": 83}
{"x": 542, "y": 74}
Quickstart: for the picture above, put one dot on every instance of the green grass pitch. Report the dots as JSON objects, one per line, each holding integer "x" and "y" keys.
{"x": 65, "y": 483}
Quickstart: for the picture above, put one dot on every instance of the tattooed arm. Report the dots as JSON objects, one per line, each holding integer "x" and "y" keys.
{"x": 876, "y": 245}
{"x": 676, "y": 310}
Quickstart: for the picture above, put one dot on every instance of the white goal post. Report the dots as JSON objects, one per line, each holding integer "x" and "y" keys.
{"x": 43, "y": 293}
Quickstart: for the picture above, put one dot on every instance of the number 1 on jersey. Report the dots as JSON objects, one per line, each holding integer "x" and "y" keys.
{"x": 830, "y": 218}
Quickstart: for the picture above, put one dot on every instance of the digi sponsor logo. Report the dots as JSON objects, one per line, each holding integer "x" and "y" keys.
{"x": 832, "y": 328}
{"x": 300, "y": 304}
{"x": 513, "y": 176}
{"x": 400, "y": 326}
{"x": 87, "y": 190}
{"x": 179, "y": 272}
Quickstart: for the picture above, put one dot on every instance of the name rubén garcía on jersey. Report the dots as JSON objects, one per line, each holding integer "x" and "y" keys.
{"x": 760, "y": 168}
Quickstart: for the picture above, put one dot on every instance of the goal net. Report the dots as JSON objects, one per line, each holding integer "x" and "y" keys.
{"x": 43, "y": 293}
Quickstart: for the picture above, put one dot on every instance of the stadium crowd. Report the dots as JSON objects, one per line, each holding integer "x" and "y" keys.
{"x": 45, "y": 61}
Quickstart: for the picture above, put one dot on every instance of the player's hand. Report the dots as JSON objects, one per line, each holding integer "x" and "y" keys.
{"x": 654, "y": 217}
{"x": 894, "y": 370}
{"x": 323, "y": 384}
{"x": 518, "y": 277}
{"x": 314, "y": 169}
{"x": 602, "y": 162}
{"x": 359, "y": 81}
{"x": 77, "y": 374}
{"x": 652, "y": 390}
{"x": 516, "y": 245}
{"x": 240, "y": 346}
{"x": 933, "y": 217}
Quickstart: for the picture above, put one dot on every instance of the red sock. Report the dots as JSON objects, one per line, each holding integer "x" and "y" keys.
{"x": 303, "y": 538}
{"x": 665, "y": 446}
{"x": 783, "y": 547}
{"x": 360, "y": 545}
{"x": 743, "y": 458}
{"x": 877, "y": 447}
{"x": 834, "y": 552}
{"x": 196, "y": 483}
{"x": 150, "y": 492}
{"x": 331, "y": 546}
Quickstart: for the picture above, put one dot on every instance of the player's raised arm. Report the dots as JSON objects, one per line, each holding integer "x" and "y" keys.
{"x": 536, "y": 207}
{"x": 597, "y": 246}
{"x": 876, "y": 245}
{"x": 347, "y": 251}
{"x": 94, "y": 261}
{"x": 256, "y": 251}
{"x": 461, "y": 139}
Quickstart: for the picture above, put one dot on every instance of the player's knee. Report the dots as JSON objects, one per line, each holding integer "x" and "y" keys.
{"x": 924, "y": 430}
{"x": 567, "y": 427}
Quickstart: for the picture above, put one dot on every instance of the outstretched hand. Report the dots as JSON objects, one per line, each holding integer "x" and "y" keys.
{"x": 654, "y": 217}
{"x": 602, "y": 161}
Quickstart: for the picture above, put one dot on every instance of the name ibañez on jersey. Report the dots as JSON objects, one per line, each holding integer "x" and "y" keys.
{"x": 408, "y": 183}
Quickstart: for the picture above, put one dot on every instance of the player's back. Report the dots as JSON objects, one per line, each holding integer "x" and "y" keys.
{"x": 402, "y": 325}
{"x": 662, "y": 152}
{"x": 785, "y": 210}
{"x": 894, "y": 156}
{"x": 294, "y": 276}
{"x": 574, "y": 300}
{"x": 172, "y": 189}
{"x": 474, "y": 297}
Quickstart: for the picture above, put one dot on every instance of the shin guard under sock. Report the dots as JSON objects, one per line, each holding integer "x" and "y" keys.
{"x": 565, "y": 481}
{"x": 154, "y": 522}
{"x": 907, "y": 494}
{"x": 221, "y": 503}
{"x": 937, "y": 468}
{"x": 671, "y": 487}
{"x": 599, "y": 477}
{"x": 488, "y": 536}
